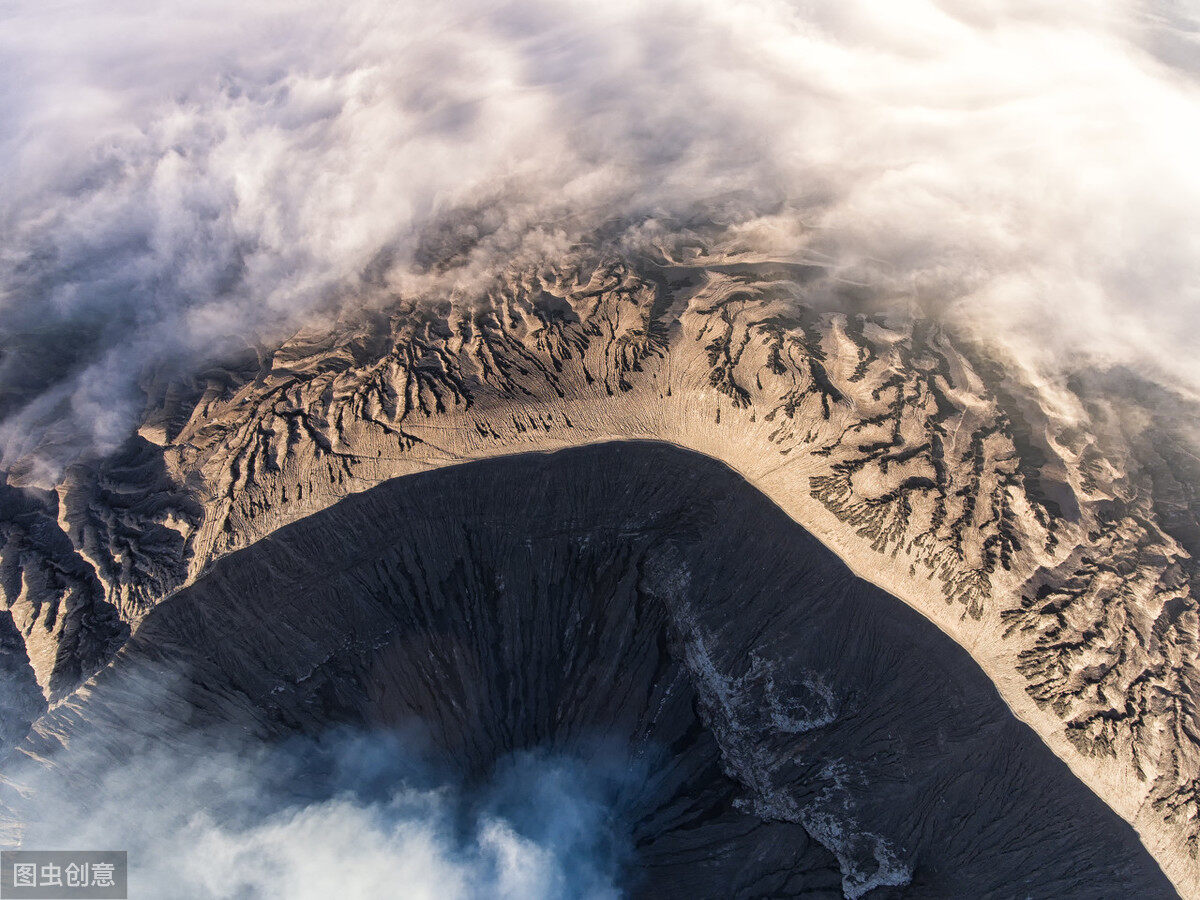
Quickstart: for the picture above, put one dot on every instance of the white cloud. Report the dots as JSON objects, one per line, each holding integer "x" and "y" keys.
{"x": 179, "y": 176}
{"x": 345, "y": 815}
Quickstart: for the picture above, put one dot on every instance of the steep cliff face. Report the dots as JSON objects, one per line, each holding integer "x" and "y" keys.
{"x": 800, "y": 732}
{"x": 1038, "y": 525}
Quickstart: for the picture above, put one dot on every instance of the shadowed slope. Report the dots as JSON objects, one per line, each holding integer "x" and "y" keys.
{"x": 795, "y": 720}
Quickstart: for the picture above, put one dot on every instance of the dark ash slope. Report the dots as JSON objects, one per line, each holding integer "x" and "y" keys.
{"x": 798, "y": 721}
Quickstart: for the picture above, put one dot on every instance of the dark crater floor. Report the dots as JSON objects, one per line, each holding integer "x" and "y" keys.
{"x": 802, "y": 732}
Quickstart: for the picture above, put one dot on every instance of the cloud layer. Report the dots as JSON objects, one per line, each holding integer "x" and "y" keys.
{"x": 348, "y": 814}
{"x": 177, "y": 179}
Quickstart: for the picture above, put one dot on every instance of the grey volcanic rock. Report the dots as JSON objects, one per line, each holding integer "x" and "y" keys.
{"x": 804, "y": 732}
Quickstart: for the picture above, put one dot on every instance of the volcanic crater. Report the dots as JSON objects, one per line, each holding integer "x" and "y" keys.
{"x": 795, "y": 730}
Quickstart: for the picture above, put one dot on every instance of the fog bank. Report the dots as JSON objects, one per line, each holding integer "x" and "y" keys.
{"x": 177, "y": 181}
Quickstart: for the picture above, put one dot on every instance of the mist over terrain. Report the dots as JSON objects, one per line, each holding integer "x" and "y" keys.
{"x": 346, "y": 813}
{"x": 532, "y": 448}
{"x": 181, "y": 181}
